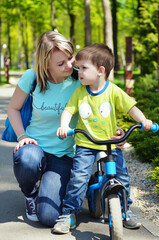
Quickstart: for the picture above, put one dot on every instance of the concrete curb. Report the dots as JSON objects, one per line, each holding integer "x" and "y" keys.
{"x": 146, "y": 223}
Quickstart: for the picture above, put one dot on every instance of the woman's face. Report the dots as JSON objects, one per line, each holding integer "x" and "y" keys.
{"x": 60, "y": 65}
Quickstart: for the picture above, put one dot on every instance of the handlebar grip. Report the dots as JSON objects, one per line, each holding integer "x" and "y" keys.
{"x": 154, "y": 128}
{"x": 70, "y": 132}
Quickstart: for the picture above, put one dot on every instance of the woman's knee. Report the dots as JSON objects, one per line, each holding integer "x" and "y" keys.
{"x": 47, "y": 215}
{"x": 28, "y": 156}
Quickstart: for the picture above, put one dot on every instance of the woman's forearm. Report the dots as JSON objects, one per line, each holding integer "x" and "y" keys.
{"x": 14, "y": 108}
{"x": 16, "y": 121}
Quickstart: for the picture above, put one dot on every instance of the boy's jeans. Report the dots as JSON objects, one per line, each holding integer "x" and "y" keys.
{"x": 80, "y": 174}
{"x": 31, "y": 164}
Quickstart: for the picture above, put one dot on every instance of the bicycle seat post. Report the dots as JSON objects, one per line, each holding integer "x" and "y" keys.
{"x": 100, "y": 157}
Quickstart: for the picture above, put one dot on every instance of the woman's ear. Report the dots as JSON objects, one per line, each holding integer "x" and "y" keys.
{"x": 101, "y": 70}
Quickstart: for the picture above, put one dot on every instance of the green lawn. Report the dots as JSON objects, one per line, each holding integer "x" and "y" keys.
{"x": 3, "y": 81}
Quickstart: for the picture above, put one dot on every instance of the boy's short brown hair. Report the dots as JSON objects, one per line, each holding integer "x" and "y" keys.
{"x": 99, "y": 54}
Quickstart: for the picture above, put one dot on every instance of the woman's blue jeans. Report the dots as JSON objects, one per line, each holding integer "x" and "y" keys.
{"x": 80, "y": 174}
{"x": 31, "y": 164}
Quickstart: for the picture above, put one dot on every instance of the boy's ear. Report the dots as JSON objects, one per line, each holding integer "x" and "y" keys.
{"x": 101, "y": 70}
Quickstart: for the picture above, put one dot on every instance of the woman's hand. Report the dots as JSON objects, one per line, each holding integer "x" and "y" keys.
{"x": 120, "y": 133}
{"x": 23, "y": 141}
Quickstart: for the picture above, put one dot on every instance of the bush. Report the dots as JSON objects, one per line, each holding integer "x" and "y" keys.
{"x": 155, "y": 177}
{"x": 146, "y": 144}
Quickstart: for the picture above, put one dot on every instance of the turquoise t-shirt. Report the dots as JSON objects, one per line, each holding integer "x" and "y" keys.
{"x": 47, "y": 109}
{"x": 97, "y": 112}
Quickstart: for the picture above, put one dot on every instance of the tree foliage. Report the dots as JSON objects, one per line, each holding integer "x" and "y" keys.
{"x": 146, "y": 37}
{"x": 23, "y": 21}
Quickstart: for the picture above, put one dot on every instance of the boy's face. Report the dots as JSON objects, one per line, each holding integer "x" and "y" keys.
{"x": 88, "y": 73}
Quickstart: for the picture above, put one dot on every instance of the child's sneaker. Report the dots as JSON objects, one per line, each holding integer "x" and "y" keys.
{"x": 65, "y": 223}
{"x": 31, "y": 209}
{"x": 131, "y": 222}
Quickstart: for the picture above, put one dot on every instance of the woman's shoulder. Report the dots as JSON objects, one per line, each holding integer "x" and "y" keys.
{"x": 26, "y": 80}
{"x": 74, "y": 82}
{"x": 29, "y": 73}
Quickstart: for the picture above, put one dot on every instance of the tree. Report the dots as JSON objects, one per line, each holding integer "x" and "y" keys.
{"x": 70, "y": 6}
{"x": 9, "y": 19}
{"x": 146, "y": 37}
{"x": 139, "y": 8}
{"x": 115, "y": 33}
{"x": 108, "y": 31}
{"x": 23, "y": 21}
{"x": 53, "y": 15}
{"x": 0, "y": 47}
{"x": 87, "y": 23}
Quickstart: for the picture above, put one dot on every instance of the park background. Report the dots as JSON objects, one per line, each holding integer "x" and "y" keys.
{"x": 130, "y": 28}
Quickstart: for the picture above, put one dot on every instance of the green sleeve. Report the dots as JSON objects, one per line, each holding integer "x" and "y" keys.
{"x": 72, "y": 105}
{"x": 123, "y": 101}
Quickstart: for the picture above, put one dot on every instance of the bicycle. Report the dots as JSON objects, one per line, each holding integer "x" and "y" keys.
{"x": 103, "y": 189}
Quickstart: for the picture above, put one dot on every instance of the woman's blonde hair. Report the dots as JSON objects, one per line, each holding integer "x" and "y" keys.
{"x": 46, "y": 43}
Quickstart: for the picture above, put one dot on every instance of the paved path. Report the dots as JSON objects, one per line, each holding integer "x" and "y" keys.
{"x": 13, "y": 222}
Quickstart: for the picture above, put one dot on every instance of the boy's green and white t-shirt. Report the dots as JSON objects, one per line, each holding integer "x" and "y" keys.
{"x": 97, "y": 112}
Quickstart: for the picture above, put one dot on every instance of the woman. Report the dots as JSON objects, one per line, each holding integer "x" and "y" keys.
{"x": 39, "y": 156}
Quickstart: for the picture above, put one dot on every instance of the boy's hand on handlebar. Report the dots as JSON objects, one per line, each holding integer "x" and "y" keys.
{"x": 62, "y": 132}
{"x": 147, "y": 124}
{"x": 120, "y": 133}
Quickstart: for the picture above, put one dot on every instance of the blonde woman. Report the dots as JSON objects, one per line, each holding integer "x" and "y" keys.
{"x": 42, "y": 163}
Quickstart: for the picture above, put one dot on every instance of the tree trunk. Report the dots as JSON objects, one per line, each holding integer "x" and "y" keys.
{"x": 0, "y": 49}
{"x": 72, "y": 28}
{"x": 53, "y": 15}
{"x": 115, "y": 33}
{"x": 138, "y": 9}
{"x": 24, "y": 45}
{"x": 87, "y": 23}
{"x": 9, "y": 40}
{"x": 108, "y": 31}
{"x": 18, "y": 47}
{"x": 69, "y": 6}
{"x": 8, "y": 53}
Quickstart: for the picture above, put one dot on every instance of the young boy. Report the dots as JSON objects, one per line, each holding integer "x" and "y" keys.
{"x": 97, "y": 100}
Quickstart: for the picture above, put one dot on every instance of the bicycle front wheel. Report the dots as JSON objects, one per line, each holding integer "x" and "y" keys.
{"x": 115, "y": 217}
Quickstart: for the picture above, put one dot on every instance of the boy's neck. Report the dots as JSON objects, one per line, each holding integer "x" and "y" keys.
{"x": 95, "y": 88}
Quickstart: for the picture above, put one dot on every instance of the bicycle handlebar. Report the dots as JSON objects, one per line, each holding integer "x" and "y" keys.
{"x": 155, "y": 128}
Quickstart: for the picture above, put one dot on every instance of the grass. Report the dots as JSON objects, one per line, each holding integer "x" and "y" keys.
{"x": 3, "y": 81}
